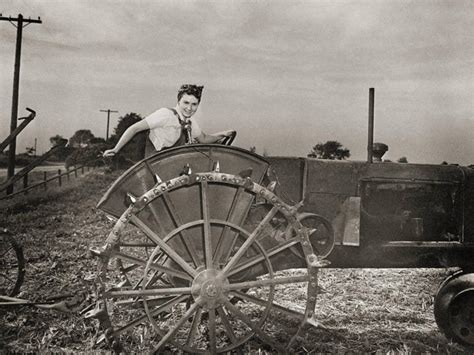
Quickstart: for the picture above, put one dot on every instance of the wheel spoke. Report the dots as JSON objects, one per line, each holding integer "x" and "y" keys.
{"x": 182, "y": 235}
{"x": 194, "y": 327}
{"x": 258, "y": 259}
{"x": 207, "y": 226}
{"x": 260, "y": 302}
{"x": 152, "y": 208}
{"x": 130, "y": 268}
{"x": 150, "y": 292}
{"x": 212, "y": 331}
{"x": 228, "y": 328}
{"x": 135, "y": 300}
{"x": 157, "y": 275}
{"x": 255, "y": 327}
{"x": 267, "y": 282}
{"x": 249, "y": 241}
{"x": 165, "y": 247}
{"x": 154, "y": 212}
{"x": 178, "y": 325}
{"x": 164, "y": 307}
{"x": 153, "y": 266}
{"x": 225, "y": 232}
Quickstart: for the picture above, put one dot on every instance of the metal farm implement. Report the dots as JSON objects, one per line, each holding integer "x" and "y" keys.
{"x": 199, "y": 257}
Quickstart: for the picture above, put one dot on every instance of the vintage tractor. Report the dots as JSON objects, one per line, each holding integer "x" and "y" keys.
{"x": 208, "y": 238}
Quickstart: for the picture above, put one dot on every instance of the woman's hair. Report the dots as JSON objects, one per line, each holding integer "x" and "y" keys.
{"x": 188, "y": 89}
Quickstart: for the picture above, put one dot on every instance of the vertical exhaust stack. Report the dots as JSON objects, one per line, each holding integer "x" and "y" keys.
{"x": 370, "y": 143}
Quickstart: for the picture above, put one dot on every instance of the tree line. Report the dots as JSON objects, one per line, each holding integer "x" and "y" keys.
{"x": 85, "y": 148}
{"x": 83, "y": 145}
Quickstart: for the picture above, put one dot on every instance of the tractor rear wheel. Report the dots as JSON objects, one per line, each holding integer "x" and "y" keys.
{"x": 454, "y": 308}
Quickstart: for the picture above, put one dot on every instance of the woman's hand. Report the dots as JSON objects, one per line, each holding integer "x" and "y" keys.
{"x": 225, "y": 134}
{"x": 226, "y": 137}
{"x": 109, "y": 153}
{"x": 228, "y": 133}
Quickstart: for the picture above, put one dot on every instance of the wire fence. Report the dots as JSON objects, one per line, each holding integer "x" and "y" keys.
{"x": 47, "y": 181}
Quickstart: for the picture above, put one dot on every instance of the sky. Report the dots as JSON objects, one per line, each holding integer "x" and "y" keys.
{"x": 285, "y": 75}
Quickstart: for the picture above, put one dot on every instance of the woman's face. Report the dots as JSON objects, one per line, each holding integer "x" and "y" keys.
{"x": 188, "y": 105}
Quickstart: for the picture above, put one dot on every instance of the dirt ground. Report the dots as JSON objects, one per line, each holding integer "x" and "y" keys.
{"x": 361, "y": 310}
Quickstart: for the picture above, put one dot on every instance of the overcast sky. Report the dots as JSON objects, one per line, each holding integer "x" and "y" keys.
{"x": 284, "y": 74}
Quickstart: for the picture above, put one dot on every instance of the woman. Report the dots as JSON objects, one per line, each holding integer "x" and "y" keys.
{"x": 171, "y": 127}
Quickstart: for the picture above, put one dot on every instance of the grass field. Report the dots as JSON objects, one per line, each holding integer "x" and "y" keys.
{"x": 361, "y": 310}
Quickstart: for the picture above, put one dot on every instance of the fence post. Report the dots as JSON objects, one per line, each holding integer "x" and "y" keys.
{"x": 59, "y": 177}
{"x": 25, "y": 183}
{"x": 67, "y": 170}
{"x": 44, "y": 178}
{"x": 75, "y": 171}
{"x": 82, "y": 170}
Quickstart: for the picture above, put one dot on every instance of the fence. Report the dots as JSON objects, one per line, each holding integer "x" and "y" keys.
{"x": 44, "y": 183}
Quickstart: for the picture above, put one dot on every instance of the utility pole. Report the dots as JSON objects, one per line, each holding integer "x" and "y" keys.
{"x": 20, "y": 21}
{"x": 108, "y": 121}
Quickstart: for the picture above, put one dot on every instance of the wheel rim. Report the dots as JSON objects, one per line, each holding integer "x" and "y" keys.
{"x": 321, "y": 233}
{"x": 203, "y": 285}
{"x": 12, "y": 265}
{"x": 461, "y": 316}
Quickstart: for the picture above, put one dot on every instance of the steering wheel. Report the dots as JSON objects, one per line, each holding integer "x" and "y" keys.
{"x": 227, "y": 140}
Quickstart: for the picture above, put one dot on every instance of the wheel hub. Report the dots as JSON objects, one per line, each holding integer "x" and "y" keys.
{"x": 209, "y": 289}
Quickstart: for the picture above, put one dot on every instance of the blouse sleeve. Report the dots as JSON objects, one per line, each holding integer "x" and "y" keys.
{"x": 158, "y": 118}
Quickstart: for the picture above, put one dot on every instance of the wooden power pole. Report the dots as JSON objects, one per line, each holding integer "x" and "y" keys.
{"x": 108, "y": 122}
{"x": 19, "y": 22}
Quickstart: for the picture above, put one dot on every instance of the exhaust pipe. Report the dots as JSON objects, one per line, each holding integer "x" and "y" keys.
{"x": 370, "y": 143}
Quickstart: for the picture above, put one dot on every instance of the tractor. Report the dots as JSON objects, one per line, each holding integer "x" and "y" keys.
{"x": 208, "y": 237}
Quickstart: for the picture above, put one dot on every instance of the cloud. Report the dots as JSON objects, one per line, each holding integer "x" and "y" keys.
{"x": 298, "y": 69}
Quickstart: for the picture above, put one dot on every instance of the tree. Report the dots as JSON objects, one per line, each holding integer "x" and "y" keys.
{"x": 55, "y": 140}
{"x": 402, "y": 160}
{"x": 97, "y": 140}
{"x": 123, "y": 123}
{"x": 135, "y": 148}
{"x": 81, "y": 138}
{"x": 61, "y": 153}
{"x": 329, "y": 150}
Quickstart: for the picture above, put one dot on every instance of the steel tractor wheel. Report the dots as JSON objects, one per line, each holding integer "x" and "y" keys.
{"x": 195, "y": 265}
{"x": 12, "y": 265}
{"x": 454, "y": 308}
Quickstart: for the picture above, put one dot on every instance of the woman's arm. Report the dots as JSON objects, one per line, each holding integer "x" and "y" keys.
{"x": 126, "y": 137}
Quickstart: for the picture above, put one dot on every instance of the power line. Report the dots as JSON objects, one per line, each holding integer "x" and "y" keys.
{"x": 20, "y": 23}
